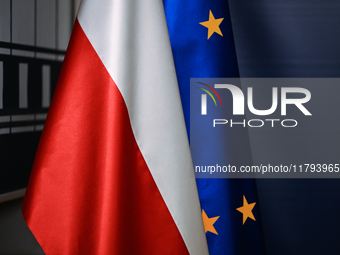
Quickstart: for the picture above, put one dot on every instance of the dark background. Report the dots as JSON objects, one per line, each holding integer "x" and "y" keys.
{"x": 292, "y": 38}
{"x": 274, "y": 38}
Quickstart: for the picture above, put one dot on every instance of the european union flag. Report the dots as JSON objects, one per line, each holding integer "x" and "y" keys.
{"x": 203, "y": 47}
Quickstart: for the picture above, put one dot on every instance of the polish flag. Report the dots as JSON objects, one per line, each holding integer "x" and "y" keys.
{"x": 113, "y": 172}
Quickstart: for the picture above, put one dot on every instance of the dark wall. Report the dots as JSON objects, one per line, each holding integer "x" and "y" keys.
{"x": 33, "y": 37}
{"x": 15, "y": 237}
{"x": 293, "y": 38}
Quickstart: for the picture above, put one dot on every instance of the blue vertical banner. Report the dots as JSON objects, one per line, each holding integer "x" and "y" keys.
{"x": 203, "y": 47}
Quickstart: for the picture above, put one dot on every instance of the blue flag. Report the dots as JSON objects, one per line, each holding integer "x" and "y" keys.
{"x": 203, "y": 47}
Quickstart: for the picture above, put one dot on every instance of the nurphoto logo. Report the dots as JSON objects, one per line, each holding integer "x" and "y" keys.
{"x": 238, "y": 104}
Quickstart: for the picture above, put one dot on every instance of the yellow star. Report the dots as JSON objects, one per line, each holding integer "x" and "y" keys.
{"x": 213, "y": 25}
{"x": 209, "y": 222}
{"x": 246, "y": 210}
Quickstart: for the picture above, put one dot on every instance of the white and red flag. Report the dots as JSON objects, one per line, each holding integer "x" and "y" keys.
{"x": 112, "y": 171}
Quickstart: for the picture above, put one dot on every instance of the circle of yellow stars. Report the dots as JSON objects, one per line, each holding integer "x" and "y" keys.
{"x": 213, "y": 25}
{"x": 246, "y": 210}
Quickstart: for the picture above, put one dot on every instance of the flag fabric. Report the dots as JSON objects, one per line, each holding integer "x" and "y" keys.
{"x": 203, "y": 47}
{"x": 113, "y": 172}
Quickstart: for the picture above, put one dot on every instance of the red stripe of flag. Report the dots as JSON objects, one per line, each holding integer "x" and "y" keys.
{"x": 90, "y": 191}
